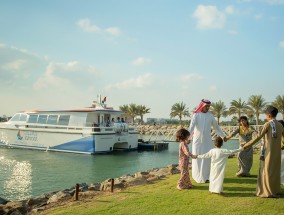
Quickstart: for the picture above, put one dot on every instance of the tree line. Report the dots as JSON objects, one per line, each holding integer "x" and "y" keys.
{"x": 134, "y": 110}
{"x": 255, "y": 106}
{"x": 252, "y": 108}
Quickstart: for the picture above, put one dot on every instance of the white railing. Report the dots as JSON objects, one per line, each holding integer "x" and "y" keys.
{"x": 123, "y": 127}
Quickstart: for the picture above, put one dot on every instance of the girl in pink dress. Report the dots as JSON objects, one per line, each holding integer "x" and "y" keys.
{"x": 182, "y": 136}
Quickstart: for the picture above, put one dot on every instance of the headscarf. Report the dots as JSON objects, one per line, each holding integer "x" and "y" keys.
{"x": 202, "y": 105}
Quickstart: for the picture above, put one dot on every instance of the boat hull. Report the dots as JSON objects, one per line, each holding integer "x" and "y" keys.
{"x": 67, "y": 141}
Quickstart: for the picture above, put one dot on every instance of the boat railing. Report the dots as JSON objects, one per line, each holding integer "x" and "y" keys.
{"x": 83, "y": 129}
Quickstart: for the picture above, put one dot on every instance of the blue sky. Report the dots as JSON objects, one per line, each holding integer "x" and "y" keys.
{"x": 62, "y": 54}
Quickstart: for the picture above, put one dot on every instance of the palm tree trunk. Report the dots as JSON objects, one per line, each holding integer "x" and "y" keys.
{"x": 142, "y": 121}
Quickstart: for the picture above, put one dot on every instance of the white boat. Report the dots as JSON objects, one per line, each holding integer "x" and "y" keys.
{"x": 85, "y": 130}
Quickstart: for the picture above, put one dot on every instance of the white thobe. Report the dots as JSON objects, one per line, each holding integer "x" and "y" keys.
{"x": 219, "y": 159}
{"x": 282, "y": 167}
{"x": 200, "y": 127}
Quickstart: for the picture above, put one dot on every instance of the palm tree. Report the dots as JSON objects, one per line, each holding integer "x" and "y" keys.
{"x": 132, "y": 111}
{"x": 235, "y": 119}
{"x": 250, "y": 114}
{"x": 218, "y": 109}
{"x": 238, "y": 107}
{"x": 256, "y": 103}
{"x": 141, "y": 110}
{"x": 279, "y": 104}
{"x": 124, "y": 108}
{"x": 179, "y": 110}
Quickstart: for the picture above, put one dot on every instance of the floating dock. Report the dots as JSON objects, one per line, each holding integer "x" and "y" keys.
{"x": 152, "y": 145}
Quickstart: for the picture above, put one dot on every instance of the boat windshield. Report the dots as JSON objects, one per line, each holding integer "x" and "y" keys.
{"x": 19, "y": 117}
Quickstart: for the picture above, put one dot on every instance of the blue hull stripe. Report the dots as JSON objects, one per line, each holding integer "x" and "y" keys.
{"x": 86, "y": 144}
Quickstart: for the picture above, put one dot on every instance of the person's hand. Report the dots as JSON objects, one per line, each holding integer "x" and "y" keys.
{"x": 194, "y": 156}
{"x": 225, "y": 139}
{"x": 241, "y": 148}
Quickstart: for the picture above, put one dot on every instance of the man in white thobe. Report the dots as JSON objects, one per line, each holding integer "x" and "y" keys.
{"x": 200, "y": 127}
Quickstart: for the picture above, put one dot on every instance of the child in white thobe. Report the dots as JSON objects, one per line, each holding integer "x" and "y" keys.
{"x": 219, "y": 159}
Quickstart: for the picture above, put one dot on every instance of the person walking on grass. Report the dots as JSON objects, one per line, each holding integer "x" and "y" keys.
{"x": 268, "y": 181}
{"x": 219, "y": 159}
{"x": 200, "y": 127}
{"x": 245, "y": 157}
{"x": 182, "y": 136}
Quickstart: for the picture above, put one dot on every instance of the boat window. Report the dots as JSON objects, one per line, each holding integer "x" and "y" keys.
{"x": 23, "y": 117}
{"x": 16, "y": 117}
{"x": 64, "y": 120}
{"x": 52, "y": 119}
{"x": 42, "y": 119}
{"x": 33, "y": 119}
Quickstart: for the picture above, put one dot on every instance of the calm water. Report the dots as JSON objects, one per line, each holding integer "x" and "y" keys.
{"x": 29, "y": 173}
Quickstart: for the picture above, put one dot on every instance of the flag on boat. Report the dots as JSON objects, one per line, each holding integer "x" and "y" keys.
{"x": 104, "y": 100}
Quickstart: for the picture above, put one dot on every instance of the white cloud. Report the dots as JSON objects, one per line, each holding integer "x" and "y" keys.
{"x": 281, "y": 44}
{"x": 141, "y": 61}
{"x": 87, "y": 26}
{"x": 14, "y": 65}
{"x": 113, "y": 31}
{"x": 20, "y": 50}
{"x": 139, "y": 82}
{"x": 63, "y": 75}
{"x": 230, "y": 10}
{"x": 49, "y": 78}
{"x": 209, "y": 17}
{"x": 18, "y": 66}
{"x": 191, "y": 77}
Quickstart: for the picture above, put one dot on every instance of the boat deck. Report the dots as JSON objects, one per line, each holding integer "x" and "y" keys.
{"x": 152, "y": 145}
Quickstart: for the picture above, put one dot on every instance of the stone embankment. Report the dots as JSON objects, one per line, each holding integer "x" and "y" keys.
{"x": 53, "y": 199}
{"x": 157, "y": 129}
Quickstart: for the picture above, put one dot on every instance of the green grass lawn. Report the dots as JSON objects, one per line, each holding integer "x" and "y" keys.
{"x": 162, "y": 197}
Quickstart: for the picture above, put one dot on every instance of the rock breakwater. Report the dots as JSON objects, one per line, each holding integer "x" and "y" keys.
{"x": 53, "y": 199}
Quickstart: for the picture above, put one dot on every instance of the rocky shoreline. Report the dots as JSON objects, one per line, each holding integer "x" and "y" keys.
{"x": 158, "y": 129}
{"x": 53, "y": 199}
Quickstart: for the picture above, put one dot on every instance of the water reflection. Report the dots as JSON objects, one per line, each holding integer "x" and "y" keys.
{"x": 30, "y": 173}
{"x": 18, "y": 179}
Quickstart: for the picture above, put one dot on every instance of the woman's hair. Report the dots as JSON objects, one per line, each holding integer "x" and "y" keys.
{"x": 218, "y": 142}
{"x": 244, "y": 118}
{"x": 281, "y": 121}
{"x": 182, "y": 134}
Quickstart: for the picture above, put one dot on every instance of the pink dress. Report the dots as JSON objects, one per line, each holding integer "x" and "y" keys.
{"x": 184, "y": 181}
